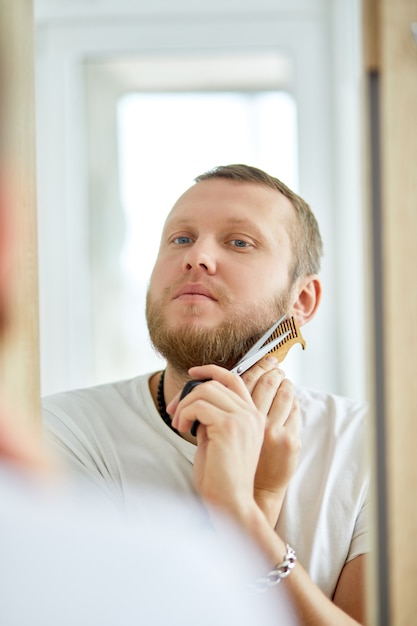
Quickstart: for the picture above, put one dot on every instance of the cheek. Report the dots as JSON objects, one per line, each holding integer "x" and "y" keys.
{"x": 161, "y": 277}
{"x": 265, "y": 285}
{"x": 254, "y": 277}
{"x": 275, "y": 274}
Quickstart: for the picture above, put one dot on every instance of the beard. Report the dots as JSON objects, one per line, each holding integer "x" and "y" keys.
{"x": 189, "y": 345}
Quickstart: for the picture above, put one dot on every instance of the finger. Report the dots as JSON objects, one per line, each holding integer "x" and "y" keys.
{"x": 266, "y": 389}
{"x": 223, "y": 376}
{"x": 204, "y": 403}
{"x": 289, "y": 434}
{"x": 172, "y": 405}
{"x": 252, "y": 375}
{"x": 293, "y": 423}
{"x": 284, "y": 410}
{"x": 215, "y": 405}
{"x": 202, "y": 412}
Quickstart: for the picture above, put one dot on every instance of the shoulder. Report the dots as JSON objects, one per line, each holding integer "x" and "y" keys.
{"x": 98, "y": 394}
{"x": 92, "y": 427}
{"x": 334, "y": 435}
{"x": 331, "y": 411}
{"x": 99, "y": 403}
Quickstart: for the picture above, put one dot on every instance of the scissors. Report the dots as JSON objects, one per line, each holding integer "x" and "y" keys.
{"x": 259, "y": 350}
{"x": 252, "y": 356}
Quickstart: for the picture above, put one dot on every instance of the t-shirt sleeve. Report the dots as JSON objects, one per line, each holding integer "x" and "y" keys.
{"x": 361, "y": 539}
{"x": 77, "y": 449}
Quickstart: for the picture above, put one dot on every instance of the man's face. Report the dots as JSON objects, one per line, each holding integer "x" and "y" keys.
{"x": 221, "y": 277}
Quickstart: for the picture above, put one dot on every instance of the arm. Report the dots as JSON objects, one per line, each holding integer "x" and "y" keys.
{"x": 312, "y": 606}
{"x": 230, "y": 444}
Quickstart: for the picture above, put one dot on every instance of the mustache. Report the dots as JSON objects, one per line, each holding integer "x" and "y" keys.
{"x": 217, "y": 291}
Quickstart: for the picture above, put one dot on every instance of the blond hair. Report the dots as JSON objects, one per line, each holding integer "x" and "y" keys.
{"x": 306, "y": 238}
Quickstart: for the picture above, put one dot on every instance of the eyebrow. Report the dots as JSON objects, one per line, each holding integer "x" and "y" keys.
{"x": 234, "y": 222}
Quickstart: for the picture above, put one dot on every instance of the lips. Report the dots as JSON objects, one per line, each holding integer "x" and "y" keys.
{"x": 194, "y": 289}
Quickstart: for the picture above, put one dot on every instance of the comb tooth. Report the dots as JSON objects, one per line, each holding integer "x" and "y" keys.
{"x": 295, "y": 336}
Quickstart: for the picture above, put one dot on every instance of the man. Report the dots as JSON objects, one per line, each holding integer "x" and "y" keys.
{"x": 238, "y": 250}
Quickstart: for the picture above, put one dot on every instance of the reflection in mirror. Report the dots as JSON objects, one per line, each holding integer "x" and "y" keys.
{"x": 137, "y": 106}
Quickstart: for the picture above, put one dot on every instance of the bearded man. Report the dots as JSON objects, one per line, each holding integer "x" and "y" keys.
{"x": 238, "y": 250}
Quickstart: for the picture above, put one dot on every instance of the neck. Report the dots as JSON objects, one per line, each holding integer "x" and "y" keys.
{"x": 172, "y": 386}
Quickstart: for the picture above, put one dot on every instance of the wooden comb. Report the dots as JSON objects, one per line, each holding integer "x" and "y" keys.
{"x": 281, "y": 350}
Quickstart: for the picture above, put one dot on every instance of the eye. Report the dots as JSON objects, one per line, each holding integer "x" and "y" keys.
{"x": 240, "y": 243}
{"x": 182, "y": 239}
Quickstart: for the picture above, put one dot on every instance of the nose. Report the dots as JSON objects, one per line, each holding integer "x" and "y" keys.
{"x": 200, "y": 256}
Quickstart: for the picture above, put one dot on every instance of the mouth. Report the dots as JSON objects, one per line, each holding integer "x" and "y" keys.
{"x": 193, "y": 292}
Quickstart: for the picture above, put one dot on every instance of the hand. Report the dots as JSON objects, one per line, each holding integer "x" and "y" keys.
{"x": 229, "y": 438}
{"x": 274, "y": 396}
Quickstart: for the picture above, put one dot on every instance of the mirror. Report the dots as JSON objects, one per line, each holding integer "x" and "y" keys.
{"x": 100, "y": 65}
{"x": 68, "y": 39}
{"x": 91, "y": 67}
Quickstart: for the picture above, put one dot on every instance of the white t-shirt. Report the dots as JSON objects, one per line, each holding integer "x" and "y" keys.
{"x": 114, "y": 436}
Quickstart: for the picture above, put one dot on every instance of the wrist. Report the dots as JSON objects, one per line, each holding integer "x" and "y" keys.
{"x": 278, "y": 573}
{"x": 270, "y": 503}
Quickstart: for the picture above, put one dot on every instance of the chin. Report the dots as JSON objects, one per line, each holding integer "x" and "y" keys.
{"x": 195, "y": 323}
{"x": 195, "y": 315}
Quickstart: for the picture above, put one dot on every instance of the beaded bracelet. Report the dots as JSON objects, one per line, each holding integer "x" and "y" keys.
{"x": 278, "y": 573}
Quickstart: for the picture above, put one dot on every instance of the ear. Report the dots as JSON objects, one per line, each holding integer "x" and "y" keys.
{"x": 307, "y": 296}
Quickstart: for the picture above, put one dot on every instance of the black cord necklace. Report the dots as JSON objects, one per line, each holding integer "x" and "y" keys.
{"x": 162, "y": 407}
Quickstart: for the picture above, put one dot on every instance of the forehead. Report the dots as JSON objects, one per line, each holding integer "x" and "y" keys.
{"x": 227, "y": 200}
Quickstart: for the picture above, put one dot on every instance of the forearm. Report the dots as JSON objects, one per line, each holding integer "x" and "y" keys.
{"x": 270, "y": 504}
{"x": 312, "y": 606}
